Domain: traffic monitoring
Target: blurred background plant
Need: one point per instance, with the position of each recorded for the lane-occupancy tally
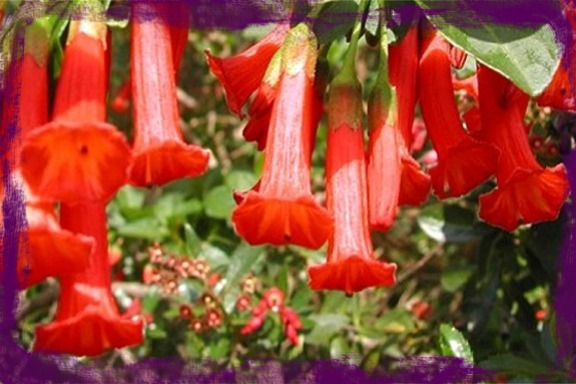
(463, 288)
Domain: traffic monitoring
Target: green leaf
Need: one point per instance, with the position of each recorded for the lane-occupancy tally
(453, 343)
(371, 360)
(515, 365)
(156, 333)
(397, 320)
(213, 255)
(338, 347)
(243, 258)
(148, 228)
(240, 180)
(449, 223)
(193, 242)
(130, 197)
(335, 20)
(528, 56)
(454, 277)
(327, 325)
(219, 202)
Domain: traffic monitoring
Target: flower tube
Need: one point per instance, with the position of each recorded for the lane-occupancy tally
(160, 154)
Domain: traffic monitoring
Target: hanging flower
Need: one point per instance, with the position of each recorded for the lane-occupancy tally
(463, 162)
(560, 92)
(87, 321)
(240, 75)
(78, 157)
(351, 264)
(283, 210)
(46, 249)
(526, 192)
(403, 61)
(160, 154)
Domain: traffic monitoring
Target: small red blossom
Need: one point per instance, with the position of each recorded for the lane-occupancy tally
(253, 324)
(540, 315)
(243, 303)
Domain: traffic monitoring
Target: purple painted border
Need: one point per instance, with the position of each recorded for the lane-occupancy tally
(20, 366)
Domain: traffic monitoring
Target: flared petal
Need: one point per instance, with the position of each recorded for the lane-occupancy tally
(352, 274)
(89, 333)
(73, 162)
(414, 183)
(528, 197)
(240, 75)
(302, 221)
(166, 162)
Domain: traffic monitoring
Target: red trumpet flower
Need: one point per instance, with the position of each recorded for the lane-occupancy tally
(78, 156)
(50, 251)
(526, 192)
(160, 154)
(414, 184)
(241, 74)
(463, 162)
(351, 265)
(87, 320)
(283, 209)
(561, 93)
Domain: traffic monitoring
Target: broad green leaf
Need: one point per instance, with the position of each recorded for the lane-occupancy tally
(240, 180)
(338, 347)
(192, 242)
(371, 360)
(453, 343)
(449, 223)
(335, 20)
(327, 325)
(454, 277)
(156, 333)
(243, 258)
(509, 363)
(528, 56)
(213, 255)
(397, 320)
(148, 228)
(219, 202)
